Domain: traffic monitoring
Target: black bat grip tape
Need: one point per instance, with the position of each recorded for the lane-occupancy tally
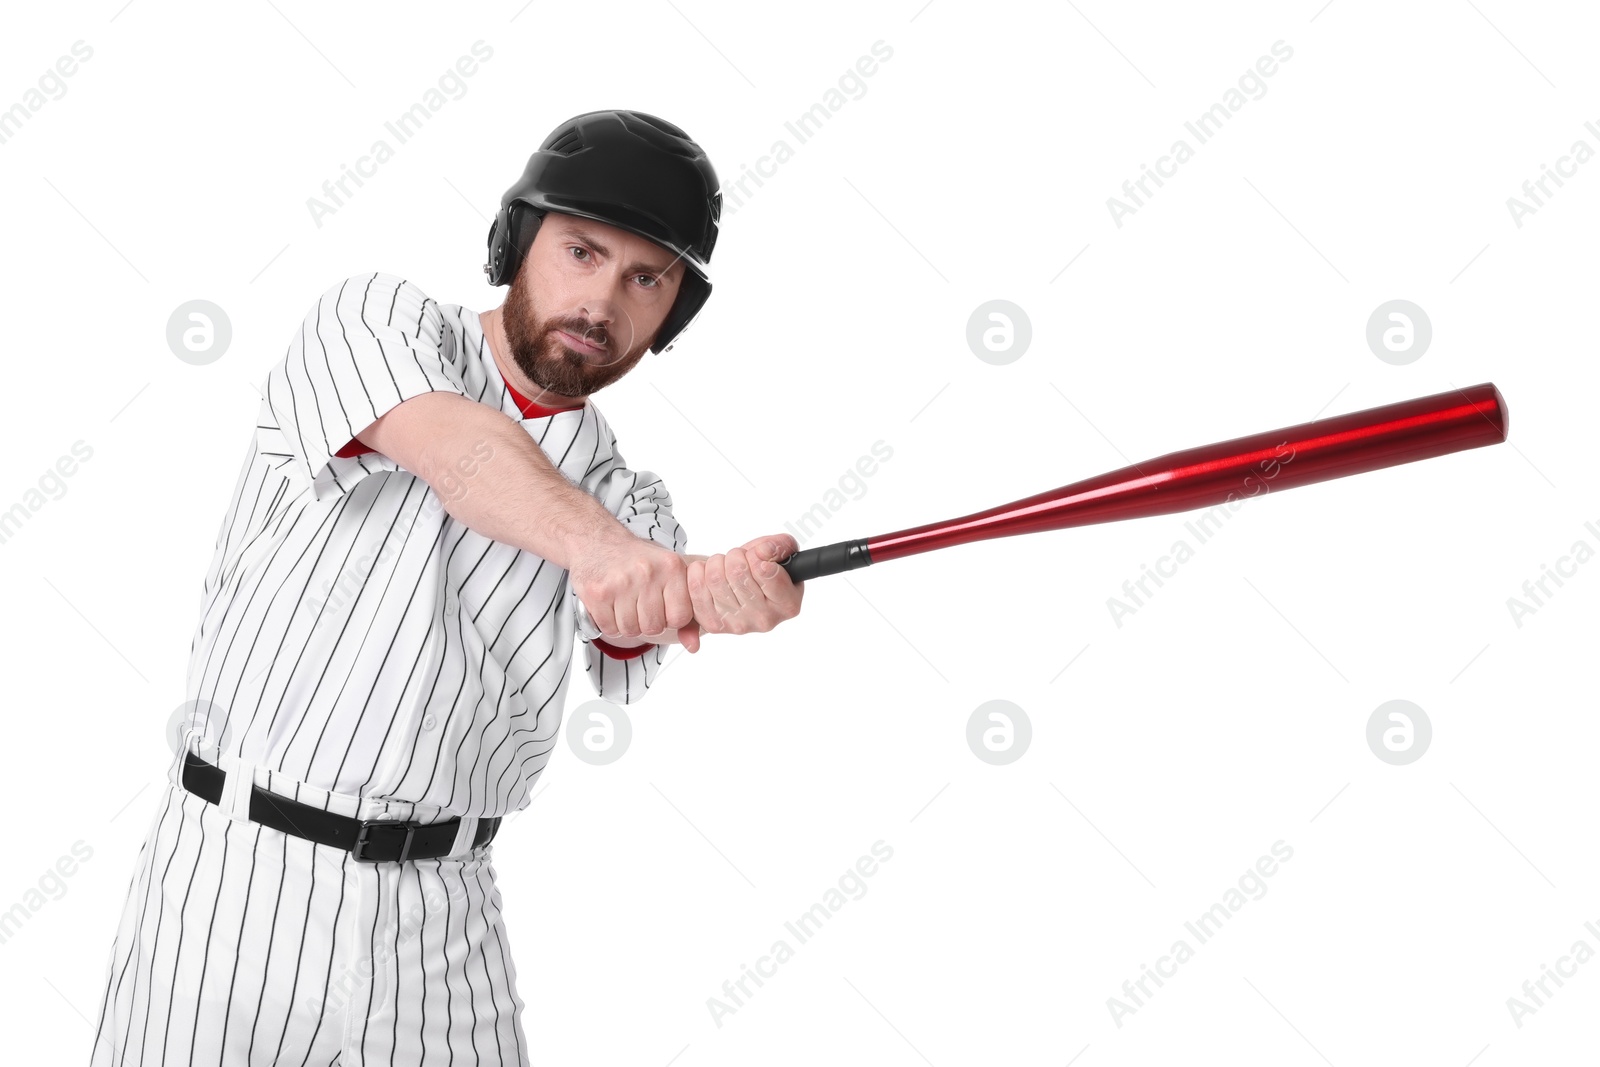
(828, 559)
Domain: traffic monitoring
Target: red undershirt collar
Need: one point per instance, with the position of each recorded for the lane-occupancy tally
(529, 409)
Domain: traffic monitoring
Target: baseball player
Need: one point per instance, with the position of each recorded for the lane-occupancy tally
(431, 511)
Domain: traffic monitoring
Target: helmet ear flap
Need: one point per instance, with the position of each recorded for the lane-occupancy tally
(510, 236)
(693, 292)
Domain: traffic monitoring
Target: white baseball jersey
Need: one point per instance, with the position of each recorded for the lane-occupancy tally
(365, 652)
(356, 636)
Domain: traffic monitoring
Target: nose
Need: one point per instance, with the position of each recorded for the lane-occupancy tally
(602, 307)
(597, 311)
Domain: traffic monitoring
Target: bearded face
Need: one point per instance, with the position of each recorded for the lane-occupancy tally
(586, 304)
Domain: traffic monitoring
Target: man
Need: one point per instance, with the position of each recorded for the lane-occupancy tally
(431, 512)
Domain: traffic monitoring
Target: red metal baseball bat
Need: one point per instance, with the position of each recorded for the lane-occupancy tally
(1205, 476)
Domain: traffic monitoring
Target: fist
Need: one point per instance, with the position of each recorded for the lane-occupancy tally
(632, 586)
(744, 591)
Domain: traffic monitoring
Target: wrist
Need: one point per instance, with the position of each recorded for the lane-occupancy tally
(628, 647)
(664, 637)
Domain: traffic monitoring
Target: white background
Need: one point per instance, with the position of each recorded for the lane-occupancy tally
(1226, 714)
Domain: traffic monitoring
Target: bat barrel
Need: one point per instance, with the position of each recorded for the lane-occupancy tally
(1232, 470)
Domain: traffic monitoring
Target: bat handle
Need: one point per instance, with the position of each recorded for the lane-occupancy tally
(828, 559)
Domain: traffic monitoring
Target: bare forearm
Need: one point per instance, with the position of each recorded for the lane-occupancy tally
(494, 478)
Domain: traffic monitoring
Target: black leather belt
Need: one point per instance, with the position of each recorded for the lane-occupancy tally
(376, 840)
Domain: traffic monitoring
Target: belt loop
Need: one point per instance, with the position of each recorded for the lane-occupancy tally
(236, 789)
(464, 835)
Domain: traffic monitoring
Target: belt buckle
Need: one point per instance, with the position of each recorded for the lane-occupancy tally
(405, 848)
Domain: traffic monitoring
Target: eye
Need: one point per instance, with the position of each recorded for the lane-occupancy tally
(575, 249)
(650, 281)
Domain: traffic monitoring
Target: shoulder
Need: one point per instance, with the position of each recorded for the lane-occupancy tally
(377, 297)
(375, 284)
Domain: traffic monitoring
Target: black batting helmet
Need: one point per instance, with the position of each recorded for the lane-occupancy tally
(630, 170)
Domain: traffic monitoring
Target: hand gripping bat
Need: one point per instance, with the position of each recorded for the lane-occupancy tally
(1204, 477)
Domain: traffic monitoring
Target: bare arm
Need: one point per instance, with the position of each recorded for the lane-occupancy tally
(489, 474)
(495, 479)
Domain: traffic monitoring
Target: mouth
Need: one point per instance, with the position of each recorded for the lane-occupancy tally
(578, 344)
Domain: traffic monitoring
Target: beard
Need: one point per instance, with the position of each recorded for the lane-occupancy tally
(540, 352)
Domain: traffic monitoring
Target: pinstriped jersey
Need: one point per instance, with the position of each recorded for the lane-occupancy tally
(352, 634)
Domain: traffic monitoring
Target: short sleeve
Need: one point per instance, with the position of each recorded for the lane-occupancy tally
(368, 344)
(641, 501)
